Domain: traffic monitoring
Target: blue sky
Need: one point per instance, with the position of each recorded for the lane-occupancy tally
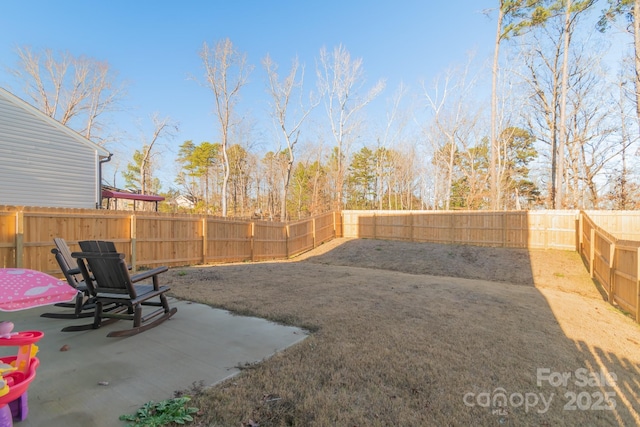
(153, 46)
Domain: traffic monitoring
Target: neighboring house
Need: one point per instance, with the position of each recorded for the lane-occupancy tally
(186, 202)
(44, 163)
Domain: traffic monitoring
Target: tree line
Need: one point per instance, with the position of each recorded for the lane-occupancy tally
(560, 129)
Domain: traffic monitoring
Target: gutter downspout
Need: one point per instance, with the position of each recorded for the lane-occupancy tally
(100, 162)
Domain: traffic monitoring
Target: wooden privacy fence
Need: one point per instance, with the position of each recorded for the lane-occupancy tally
(611, 256)
(150, 239)
(513, 229)
(609, 242)
(624, 225)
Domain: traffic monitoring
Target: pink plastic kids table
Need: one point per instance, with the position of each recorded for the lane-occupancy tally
(21, 289)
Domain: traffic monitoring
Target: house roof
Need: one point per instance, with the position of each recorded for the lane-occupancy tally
(102, 152)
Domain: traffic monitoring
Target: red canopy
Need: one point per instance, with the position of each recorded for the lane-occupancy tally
(131, 196)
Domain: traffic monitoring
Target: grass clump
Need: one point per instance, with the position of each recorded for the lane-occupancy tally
(166, 412)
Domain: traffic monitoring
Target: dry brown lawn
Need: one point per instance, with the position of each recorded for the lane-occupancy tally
(415, 334)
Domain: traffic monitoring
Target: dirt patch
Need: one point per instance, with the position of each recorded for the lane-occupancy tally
(542, 268)
(421, 334)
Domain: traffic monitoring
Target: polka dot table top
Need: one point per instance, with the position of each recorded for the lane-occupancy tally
(21, 288)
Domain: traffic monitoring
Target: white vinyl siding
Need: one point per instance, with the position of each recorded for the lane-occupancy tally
(42, 163)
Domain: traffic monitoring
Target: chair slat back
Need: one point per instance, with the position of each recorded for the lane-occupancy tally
(65, 252)
(107, 266)
(66, 262)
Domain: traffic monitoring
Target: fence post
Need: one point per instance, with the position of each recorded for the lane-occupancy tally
(252, 230)
(504, 229)
(411, 229)
(592, 250)
(205, 238)
(313, 231)
(19, 239)
(638, 286)
(525, 234)
(451, 228)
(612, 273)
(375, 226)
(335, 223)
(579, 236)
(546, 230)
(133, 235)
(287, 231)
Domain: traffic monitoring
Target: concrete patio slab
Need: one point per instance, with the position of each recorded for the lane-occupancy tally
(99, 378)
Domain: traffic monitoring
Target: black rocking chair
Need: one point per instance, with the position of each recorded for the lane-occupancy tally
(107, 277)
(84, 304)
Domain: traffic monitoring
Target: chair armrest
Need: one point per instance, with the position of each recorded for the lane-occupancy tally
(73, 271)
(148, 273)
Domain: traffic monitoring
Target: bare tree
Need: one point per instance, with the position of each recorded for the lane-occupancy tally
(401, 177)
(393, 132)
(502, 10)
(623, 191)
(273, 164)
(542, 55)
(454, 121)
(226, 72)
(243, 162)
(76, 91)
(289, 122)
(162, 128)
(630, 9)
(599, 130)
(571, 12)
(514, 17)
(340, 78)
(570, 107)
(318, 186)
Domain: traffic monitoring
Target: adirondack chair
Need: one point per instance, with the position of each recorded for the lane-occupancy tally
(107, 276)
(84, 304)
